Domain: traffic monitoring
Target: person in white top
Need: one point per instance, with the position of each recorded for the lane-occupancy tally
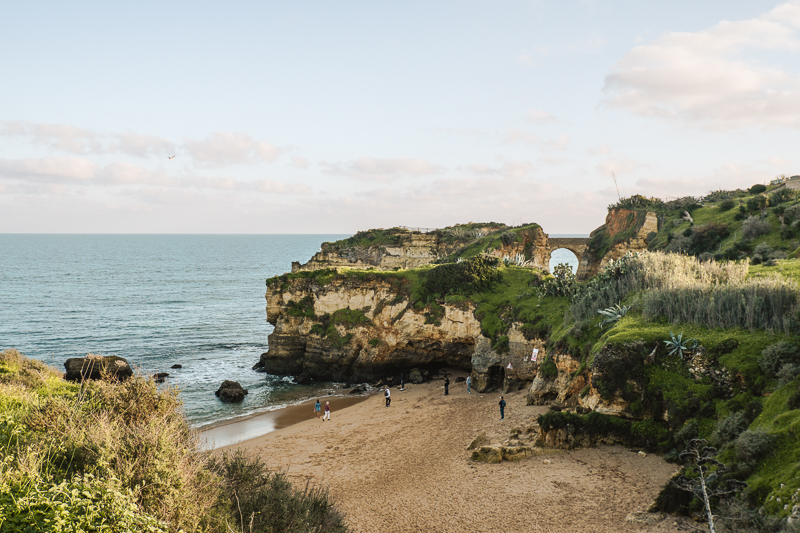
(388, 396)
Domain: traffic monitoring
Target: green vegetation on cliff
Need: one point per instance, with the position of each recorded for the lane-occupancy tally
(118, 456)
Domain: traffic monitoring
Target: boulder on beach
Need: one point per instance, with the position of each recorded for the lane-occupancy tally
(231, 392)
(488, 454)
(480, 440)
(97, 367)
(415, 376)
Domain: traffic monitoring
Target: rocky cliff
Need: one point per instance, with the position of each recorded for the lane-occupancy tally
(360, 328)
(624, 231)
(400, 248)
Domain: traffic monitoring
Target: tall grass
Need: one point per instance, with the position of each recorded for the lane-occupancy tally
(682, 288)
(114, 456)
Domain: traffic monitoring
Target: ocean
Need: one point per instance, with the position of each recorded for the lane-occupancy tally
(157, 300)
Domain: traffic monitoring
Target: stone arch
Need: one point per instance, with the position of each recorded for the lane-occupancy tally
(576, 245)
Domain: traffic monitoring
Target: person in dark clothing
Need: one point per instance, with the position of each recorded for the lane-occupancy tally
(446, 386)
(502, 408)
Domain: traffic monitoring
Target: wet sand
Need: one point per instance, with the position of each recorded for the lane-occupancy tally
(236, 432)
(406, 469)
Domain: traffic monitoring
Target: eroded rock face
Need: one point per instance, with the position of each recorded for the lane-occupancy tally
(231, 392)
(392, 337)
(412, 250)
(96, 367)
(615, 224)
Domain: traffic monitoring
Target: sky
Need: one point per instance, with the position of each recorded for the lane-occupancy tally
(339, 116)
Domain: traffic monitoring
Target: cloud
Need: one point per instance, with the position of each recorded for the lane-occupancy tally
(710, 78)
(300, 162)
(276, 187)
(373, 169)
(224, 148)
(537, 116)
(143, 145)
(49, 169)
(81, 141)
(510, 169)
(76, 171)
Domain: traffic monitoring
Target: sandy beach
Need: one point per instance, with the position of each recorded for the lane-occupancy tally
(405, 468)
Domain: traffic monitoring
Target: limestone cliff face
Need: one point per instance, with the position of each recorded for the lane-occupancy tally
(409, 251)
(618, 222)
(386, 336)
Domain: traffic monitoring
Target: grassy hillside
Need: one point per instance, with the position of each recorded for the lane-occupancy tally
(118, 456)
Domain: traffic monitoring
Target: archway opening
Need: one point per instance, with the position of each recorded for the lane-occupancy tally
(562, 255)
(495, 378)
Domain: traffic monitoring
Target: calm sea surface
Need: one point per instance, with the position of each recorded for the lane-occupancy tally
(157, 300)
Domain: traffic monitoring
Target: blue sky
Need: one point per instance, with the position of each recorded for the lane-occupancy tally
(330, 117)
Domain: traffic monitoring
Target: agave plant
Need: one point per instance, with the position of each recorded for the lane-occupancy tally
(612, 314)
(677, 344)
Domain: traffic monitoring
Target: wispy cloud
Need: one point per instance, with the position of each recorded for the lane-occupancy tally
(382, 170)
(707, 77)
(537, 116)
(81, 141)
(224, 148)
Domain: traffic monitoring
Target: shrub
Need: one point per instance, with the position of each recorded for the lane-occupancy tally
(753, 227)
(707, 237)
(680, 244)
(729, 428)
(303, 308)
(562, 283)
(727, 205)
(794, 399)
(476, 274)
(775, 356)
(265, 502)
(548, 369)
(757, 189)
(753, 445)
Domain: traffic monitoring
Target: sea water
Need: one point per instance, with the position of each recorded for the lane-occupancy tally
(156, 300)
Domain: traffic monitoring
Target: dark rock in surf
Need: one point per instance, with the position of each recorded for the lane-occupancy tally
(93, 366)
(176, 366)
(160, 377)
(231, 392)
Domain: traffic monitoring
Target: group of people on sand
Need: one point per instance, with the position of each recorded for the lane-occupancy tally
(388, 396)
(318, 408)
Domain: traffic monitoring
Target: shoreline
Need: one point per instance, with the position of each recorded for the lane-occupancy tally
(226, 433)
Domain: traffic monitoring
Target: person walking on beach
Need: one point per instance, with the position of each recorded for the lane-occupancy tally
(388, 396)
(446, 386)
(317, 408)
(502, 408)
(469, 383)
(402, 383)
(327, 411)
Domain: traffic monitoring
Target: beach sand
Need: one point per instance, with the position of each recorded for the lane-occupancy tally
(405, 468)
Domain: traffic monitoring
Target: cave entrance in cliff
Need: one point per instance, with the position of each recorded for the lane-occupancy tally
(495, 377)
(562, 255)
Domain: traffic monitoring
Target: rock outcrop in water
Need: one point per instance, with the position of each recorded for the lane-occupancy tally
(97, 367)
